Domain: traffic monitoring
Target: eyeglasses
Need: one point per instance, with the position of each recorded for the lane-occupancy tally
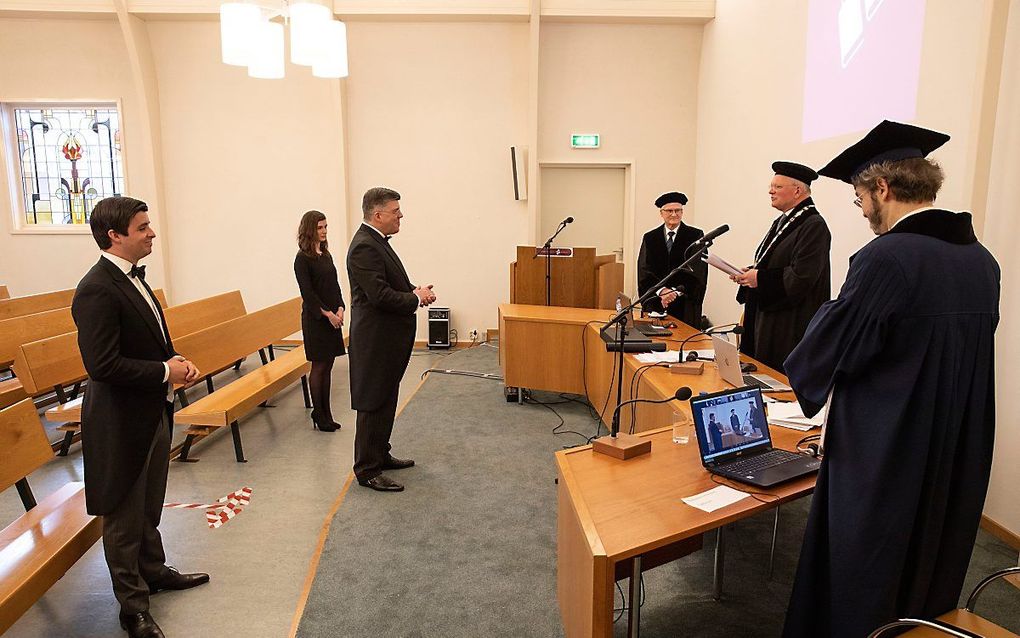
(858, 201)
(671, 211)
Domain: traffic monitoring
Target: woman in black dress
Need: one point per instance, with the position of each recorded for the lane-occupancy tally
(322, 313)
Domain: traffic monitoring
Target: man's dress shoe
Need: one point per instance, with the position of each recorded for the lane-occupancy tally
(176, 580)
(382, 483)
(397, 464)
(140, 625)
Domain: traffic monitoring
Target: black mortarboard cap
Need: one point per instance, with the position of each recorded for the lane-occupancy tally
(795, 171)
(889, 141)
(671, 198)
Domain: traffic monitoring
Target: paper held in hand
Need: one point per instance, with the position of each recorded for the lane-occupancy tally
(722, 264)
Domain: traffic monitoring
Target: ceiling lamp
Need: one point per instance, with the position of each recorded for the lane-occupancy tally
(250, 37)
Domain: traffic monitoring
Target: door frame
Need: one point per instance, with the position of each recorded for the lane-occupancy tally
(628, 257)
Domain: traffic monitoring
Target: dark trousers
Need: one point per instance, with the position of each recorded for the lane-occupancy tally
(372, 439)
(133, 546)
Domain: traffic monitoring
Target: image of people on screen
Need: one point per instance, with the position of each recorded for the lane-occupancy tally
(742, 422)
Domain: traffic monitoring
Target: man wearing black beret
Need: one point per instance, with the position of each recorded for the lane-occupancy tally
(789, 278)
(664, 248)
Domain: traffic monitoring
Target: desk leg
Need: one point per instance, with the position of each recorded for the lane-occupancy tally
(720, 555)
(634, 617)
(772, 550)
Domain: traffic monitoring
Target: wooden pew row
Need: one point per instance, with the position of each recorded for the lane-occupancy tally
(38, 548)
(28, 328)
(48, 365)
(32, 304)
(220, 345)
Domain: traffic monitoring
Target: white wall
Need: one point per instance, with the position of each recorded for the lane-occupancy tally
(90, 64)
(433, 109)
(636, 85)
(1001, 229)
(243, 160)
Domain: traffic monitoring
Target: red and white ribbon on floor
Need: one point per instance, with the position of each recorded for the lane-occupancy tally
(222, 510)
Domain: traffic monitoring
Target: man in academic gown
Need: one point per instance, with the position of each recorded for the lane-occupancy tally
(664, 248)
(383, 324)
(904, 357)
(789, 278)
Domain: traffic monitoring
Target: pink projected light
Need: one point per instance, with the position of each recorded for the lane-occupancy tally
(863, 60)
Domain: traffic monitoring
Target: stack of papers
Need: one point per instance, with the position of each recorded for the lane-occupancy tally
(789, 415)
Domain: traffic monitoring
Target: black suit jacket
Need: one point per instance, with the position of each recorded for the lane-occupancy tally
(123, 352)
(383, 321)
(654, 263)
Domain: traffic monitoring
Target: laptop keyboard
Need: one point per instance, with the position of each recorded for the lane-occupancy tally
(759, 462)
(750, 380)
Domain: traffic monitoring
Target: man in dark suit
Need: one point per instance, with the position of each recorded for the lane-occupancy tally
(664, 248)
(383, 306)
(127, 410)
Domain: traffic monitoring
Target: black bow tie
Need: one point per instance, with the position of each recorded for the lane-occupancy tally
(137, 271)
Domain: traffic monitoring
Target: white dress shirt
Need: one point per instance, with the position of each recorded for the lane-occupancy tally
(125, 267)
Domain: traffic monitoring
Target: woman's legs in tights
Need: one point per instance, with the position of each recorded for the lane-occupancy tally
(318, 382)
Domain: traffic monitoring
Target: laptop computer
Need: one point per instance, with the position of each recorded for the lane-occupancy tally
(734, 440)
(644, 327)
(728, 360)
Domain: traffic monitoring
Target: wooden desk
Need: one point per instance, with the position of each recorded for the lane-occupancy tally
(611, 512)
(559, 349)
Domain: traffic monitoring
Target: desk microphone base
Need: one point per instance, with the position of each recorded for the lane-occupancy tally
(623, 447)
(687, 367)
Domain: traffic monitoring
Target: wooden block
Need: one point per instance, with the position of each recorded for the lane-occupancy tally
(624, 446)
(687, 367)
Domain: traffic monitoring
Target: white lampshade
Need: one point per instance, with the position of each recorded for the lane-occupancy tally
(267, 51)
(332, 59)
(307, 24)
(237, 22)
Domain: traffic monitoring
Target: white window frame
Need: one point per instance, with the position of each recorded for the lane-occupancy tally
(11, 165)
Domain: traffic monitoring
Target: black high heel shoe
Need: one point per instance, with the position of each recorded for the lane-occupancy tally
(323, 427)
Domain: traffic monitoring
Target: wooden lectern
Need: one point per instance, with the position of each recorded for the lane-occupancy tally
(580, 278)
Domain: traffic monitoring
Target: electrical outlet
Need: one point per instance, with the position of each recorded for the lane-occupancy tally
(473, 335)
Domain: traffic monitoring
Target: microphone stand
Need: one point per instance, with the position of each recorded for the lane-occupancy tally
(547, 247)
(628, 446)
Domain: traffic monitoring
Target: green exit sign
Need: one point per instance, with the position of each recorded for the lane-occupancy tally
(585, 140)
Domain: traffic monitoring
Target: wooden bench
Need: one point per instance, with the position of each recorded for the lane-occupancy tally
(32, 304)
(53, 363)
(220, 345)
(24, 329)
(38, 548)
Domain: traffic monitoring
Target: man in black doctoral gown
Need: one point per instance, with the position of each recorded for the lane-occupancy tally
(664, 248)
(789, 279)
(904, 358)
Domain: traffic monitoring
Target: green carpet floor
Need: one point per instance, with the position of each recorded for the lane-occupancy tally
(469, 548)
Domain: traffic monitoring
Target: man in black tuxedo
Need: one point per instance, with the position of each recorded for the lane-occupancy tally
(127, 411)
(383, 306)
(664, 248)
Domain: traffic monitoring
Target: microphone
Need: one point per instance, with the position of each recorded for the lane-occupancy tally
(712, 234)
(726, 328)
(568, 220)
(682, 394)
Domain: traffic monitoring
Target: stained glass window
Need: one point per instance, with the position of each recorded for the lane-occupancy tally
(70, 158)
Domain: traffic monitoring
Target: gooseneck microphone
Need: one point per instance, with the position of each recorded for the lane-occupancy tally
(712, 234)
(682, 394)
(726, 328)
(568, 220)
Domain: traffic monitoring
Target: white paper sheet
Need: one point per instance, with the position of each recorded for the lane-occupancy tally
(669, 356)
(715, 498)
(722, 264)
(789, 415)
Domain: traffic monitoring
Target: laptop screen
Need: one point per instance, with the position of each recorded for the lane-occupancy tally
(729, 421)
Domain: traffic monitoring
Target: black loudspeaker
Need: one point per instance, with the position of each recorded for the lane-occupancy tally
(439, 328)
